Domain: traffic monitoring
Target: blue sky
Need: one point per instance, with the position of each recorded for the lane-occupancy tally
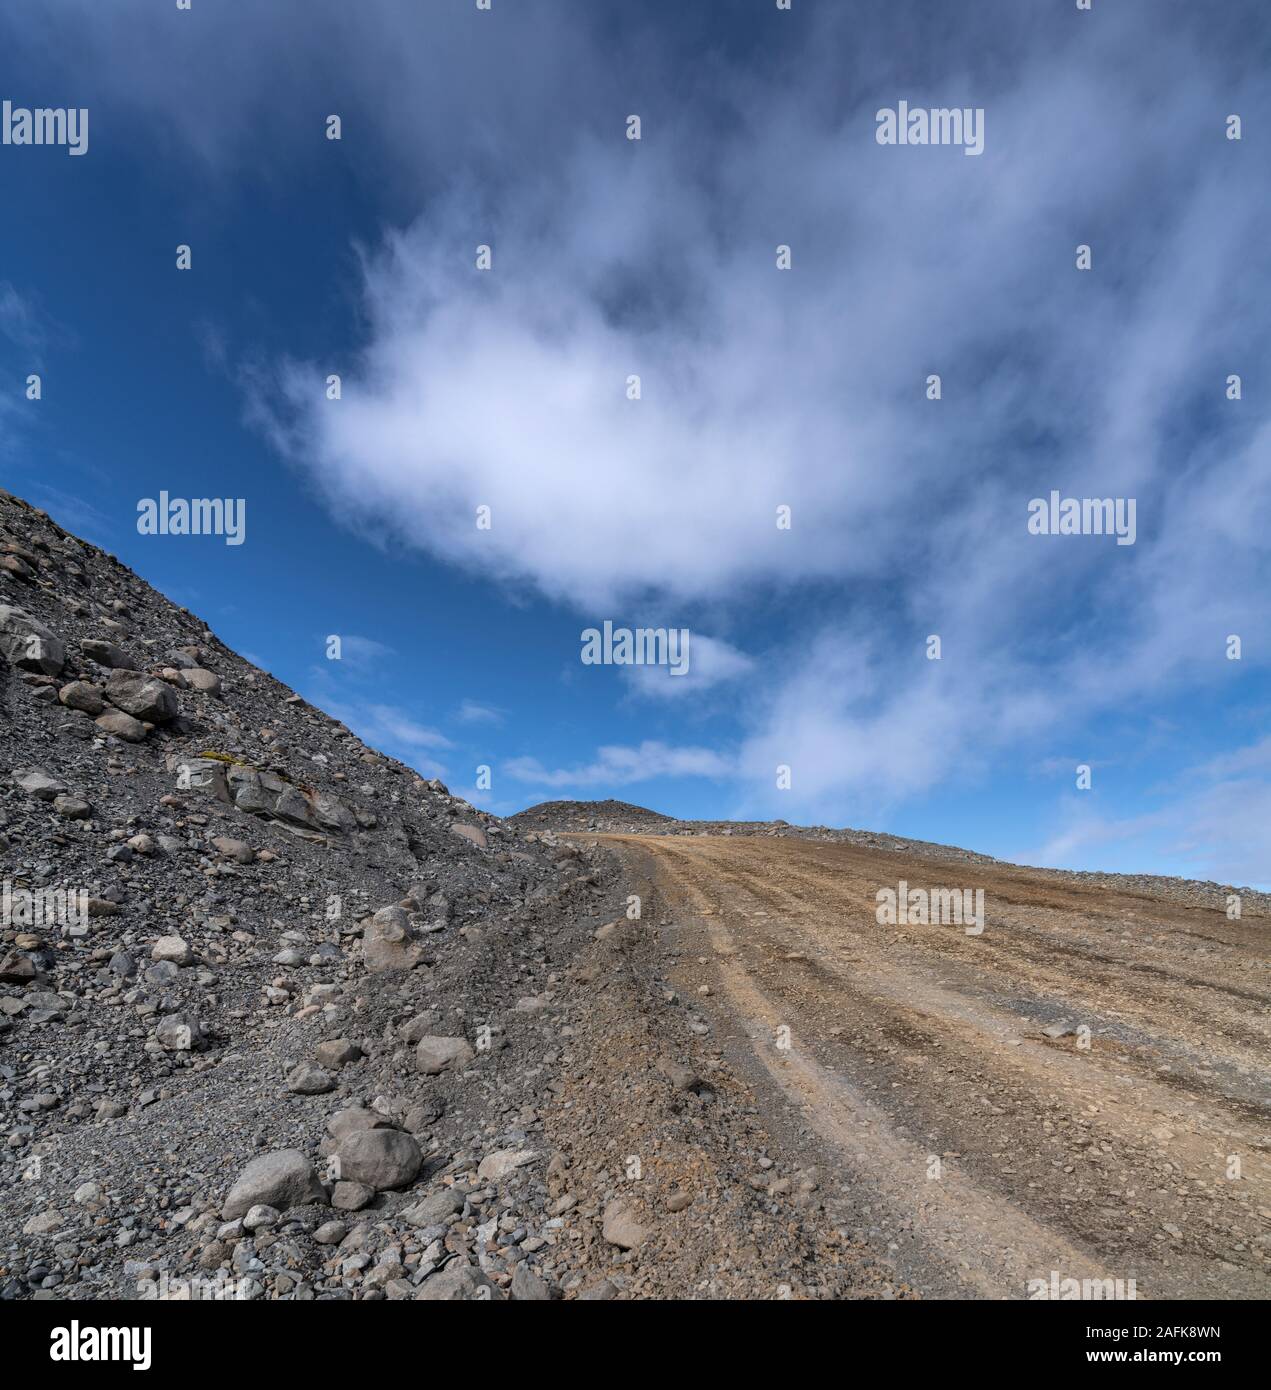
(760, 388)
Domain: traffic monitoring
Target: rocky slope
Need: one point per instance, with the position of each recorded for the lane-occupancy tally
(592, 816)
(230, 929)
(279, 1019)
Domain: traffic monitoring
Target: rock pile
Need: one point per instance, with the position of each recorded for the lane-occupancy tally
(289, 996)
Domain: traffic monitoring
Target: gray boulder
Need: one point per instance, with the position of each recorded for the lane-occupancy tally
(621, 1228)
(237, 850)
(457, 1283)
(201, 775)
(308, 1080)
(281, 1179)
(82, 695)
(499, 1164)
(26, 643)
(337, 1052)
(435, 1209)
(144, 697)
(122, 725)
(206, 681)
(332, 814)
(527, 1287)
(352, 1196)
(292, 805)
(39, 784)
(381, 1158)
(353, 1120)
(179, 1033)
(435, 1055)
(172, 948)
(386, 943)
(107, 654)
(253, 791)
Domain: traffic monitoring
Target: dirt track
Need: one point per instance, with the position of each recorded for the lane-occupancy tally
(1107, 1155)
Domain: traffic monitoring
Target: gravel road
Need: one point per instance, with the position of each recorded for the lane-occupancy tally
(1079, 1090)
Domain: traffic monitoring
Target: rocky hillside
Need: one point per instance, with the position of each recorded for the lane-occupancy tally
(248, 964)
(606, 817)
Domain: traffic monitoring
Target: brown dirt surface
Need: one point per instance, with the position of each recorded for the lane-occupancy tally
(956, 1143)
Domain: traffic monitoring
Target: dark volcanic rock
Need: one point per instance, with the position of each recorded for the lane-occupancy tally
(216, 863)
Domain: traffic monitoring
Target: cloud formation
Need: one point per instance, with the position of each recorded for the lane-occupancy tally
(762, 388)
(619, 766)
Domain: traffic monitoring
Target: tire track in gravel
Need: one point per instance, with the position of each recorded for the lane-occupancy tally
(919, 1042)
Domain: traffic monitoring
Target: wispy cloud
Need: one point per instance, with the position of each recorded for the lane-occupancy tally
(471, 712)
(22, 324)
(400, 728)
(363, 651)
(1215, 821)
(393, 730)
(761, 389)
(620, 766)
(712, 662)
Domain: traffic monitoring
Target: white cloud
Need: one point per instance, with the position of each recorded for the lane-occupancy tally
(1226, 833)
(711, 662)
(1214, 820)
(619, 766)
(394, 731)
(1085, 830)
(363, 651)
(762, 388)
(20, 323)
(401, 728)
(473, 712)
(807, 389)
(1255, 757)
